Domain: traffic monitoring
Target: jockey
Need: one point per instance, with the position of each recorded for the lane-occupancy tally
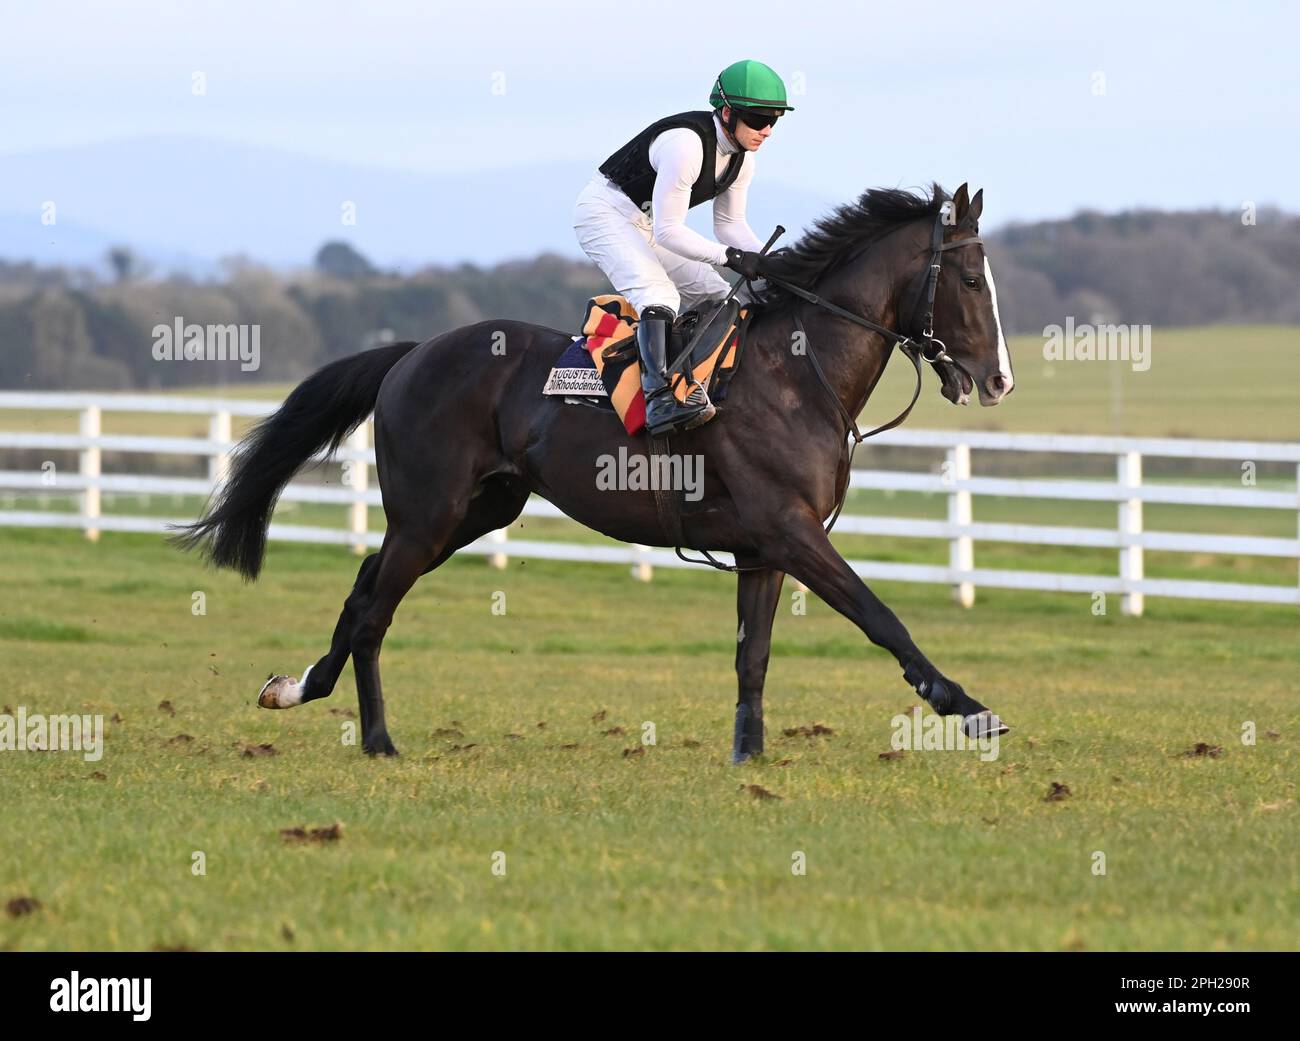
(631, 220)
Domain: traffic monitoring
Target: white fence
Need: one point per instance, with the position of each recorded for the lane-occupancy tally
(955, 481)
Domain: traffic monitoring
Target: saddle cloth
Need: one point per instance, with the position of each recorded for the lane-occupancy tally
(601, 367)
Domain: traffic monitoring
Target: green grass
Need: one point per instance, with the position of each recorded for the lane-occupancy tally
(664, 850)
(1234, 382)
(935, 850)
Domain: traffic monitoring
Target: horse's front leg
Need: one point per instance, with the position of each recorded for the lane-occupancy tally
(757, 594)
(805, 551)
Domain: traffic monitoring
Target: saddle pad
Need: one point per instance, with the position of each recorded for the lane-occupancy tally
(603, 362)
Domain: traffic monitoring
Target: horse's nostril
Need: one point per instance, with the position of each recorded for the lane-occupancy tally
(998, 385)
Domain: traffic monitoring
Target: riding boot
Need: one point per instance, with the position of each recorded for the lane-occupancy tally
(664, 414)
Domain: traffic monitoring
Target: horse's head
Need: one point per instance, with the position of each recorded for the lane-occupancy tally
(966, 318)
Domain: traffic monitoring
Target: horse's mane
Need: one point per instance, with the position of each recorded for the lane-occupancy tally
(833, 237)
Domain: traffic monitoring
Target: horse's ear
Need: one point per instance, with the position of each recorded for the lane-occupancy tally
(972, 217)
(960, 203)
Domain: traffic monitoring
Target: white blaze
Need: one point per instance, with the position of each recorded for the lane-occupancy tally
(1004, 356)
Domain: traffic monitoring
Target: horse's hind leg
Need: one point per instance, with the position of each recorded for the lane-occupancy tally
(319, 679)
(757, 594)
(402, 560)
(496, 505)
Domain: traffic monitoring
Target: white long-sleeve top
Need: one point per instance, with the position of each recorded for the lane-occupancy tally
(677, 156)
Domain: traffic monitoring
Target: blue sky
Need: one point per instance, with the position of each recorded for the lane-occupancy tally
(1201, 102)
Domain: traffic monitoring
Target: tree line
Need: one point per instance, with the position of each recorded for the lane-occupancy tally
(73, 328)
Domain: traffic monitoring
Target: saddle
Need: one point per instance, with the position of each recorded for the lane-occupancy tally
(600, 368)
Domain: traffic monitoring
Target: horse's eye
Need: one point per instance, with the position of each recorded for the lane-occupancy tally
(971, 283)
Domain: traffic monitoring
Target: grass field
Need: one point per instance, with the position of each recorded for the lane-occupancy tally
(668, 848)
(612, 844)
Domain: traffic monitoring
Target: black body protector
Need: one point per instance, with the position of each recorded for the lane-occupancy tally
(630, 169)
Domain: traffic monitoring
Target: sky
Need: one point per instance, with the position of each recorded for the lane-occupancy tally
(1050, 108)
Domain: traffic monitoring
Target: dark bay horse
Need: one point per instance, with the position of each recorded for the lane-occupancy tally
(463, 435)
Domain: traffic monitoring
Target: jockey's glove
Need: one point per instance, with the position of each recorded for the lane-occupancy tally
(744, 262)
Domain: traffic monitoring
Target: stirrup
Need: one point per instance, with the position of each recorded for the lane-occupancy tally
(681, 416)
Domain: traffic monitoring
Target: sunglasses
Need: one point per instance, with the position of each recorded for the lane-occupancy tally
(757, 119)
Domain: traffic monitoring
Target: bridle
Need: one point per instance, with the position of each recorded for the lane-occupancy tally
(938, 248)
(926, 346)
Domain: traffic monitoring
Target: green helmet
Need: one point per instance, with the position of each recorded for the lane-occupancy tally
(749, 84)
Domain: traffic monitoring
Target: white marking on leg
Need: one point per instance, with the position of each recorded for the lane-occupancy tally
(290, 695)
(1004, 355)
(280, 692)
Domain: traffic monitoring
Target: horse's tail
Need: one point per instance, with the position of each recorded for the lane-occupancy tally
(322, 410)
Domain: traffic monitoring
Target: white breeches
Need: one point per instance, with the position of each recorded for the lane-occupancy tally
(620, 240)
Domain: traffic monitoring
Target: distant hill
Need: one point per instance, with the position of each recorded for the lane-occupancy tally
(184, 203)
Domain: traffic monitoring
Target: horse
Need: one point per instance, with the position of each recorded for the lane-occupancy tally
(463, 436)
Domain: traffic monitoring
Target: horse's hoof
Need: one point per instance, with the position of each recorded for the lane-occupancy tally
(747, 738)
(280, 692)
(283, 691)
(380, 746)
(984, 724)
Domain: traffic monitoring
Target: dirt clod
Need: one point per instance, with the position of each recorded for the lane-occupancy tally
(816, 730)
(319, 835)
(1057, 792)
(22, 905)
